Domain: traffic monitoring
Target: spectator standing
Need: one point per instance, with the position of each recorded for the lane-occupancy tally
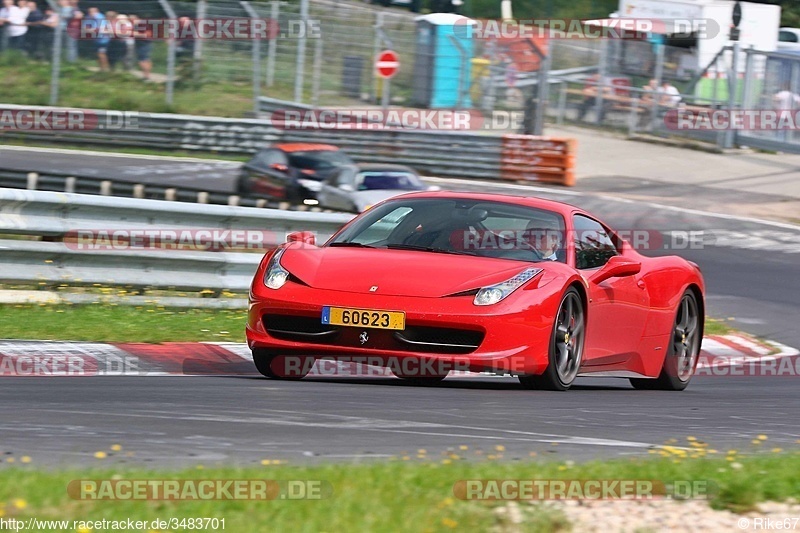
(117, 47)
(48, 31)
(15, 22)
(97, 20)
(3, 26)
(670, 95)
(34, 23)
(143, 39)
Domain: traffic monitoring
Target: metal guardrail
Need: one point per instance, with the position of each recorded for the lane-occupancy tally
(54, 216)
(71, 183)
(446, 154)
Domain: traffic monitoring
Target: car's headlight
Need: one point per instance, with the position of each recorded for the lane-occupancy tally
(495, 293)
(275, 276)
(311, 185)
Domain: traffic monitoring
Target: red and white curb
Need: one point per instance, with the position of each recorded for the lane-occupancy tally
(722, 355)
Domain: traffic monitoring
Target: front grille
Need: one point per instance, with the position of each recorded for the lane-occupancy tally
(413, 339)
(297, 327)
(447, 340)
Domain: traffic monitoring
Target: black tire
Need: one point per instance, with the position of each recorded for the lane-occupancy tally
(243, 185)
(280, 366)
(565, 354)
(684, 349)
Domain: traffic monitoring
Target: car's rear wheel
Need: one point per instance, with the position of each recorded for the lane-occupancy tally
(684, 349)
(289, 367)
(243, 186)
(566, 346)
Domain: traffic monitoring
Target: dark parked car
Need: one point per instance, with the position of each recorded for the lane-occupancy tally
(291, 171)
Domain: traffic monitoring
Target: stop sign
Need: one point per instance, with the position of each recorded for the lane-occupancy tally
(387, 64)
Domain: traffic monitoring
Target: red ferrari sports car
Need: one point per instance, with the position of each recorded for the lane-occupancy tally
(430, 282)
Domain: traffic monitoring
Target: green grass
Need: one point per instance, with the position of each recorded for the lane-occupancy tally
(111, 323)
(397, 495)
(27, 82)
(117, 323)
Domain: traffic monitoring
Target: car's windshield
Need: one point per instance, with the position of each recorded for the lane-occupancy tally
(455, 225)
(386, 179)
(319, 159)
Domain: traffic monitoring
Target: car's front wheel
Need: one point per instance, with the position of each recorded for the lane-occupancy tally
(291, 367)
(566, 346)
(684, 349)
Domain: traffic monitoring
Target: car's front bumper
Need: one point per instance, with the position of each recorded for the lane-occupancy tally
(512, 336)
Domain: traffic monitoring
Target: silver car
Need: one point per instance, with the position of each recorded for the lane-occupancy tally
(356, 188)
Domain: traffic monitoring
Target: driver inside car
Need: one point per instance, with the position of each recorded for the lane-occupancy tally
(546, 238)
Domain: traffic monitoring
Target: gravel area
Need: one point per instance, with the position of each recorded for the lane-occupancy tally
(655, 516)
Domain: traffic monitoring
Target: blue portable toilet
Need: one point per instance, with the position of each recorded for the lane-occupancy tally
(443, 61)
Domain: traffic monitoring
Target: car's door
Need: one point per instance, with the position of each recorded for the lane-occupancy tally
(618, 306)
(268, 173)
(339, 190)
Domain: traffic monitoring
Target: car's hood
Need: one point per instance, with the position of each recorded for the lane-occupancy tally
(395, 272)
(365, 198)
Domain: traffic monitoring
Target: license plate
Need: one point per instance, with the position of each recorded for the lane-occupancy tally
(363, 318)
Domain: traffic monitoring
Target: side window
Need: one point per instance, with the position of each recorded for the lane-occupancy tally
(265, 158)
(593, 245)
(787, 37)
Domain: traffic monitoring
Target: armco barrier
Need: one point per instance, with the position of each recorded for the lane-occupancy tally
(435, 153)
(545, 159)
(51, 216)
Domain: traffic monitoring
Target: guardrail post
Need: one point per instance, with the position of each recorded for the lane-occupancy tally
(202, 197)
(33, 178)
(69, 184)
(170, 195)
(170, 53)
(138, 191)
(562, 103)
(273, 43)
(301, 54)
(105, 188)
(233, 200)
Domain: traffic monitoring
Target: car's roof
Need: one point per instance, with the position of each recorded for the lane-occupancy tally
(305, 147)
(528, 201)
(375, 167)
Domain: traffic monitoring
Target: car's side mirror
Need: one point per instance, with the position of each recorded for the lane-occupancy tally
(346, 187)
(616, 267)
(306, 237)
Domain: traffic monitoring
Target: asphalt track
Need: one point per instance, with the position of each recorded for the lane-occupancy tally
(751, 271)
(184, 421)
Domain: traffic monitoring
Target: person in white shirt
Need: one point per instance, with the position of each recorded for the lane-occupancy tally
(670, 95)
(785, 100)
(13, 19)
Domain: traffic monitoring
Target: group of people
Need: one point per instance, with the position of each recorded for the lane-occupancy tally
(27, 27)
(665, 95)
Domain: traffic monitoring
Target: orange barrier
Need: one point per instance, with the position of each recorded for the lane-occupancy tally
(532, 158)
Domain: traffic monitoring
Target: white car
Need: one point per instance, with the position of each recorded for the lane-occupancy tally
(789, 40)
(356, 188)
